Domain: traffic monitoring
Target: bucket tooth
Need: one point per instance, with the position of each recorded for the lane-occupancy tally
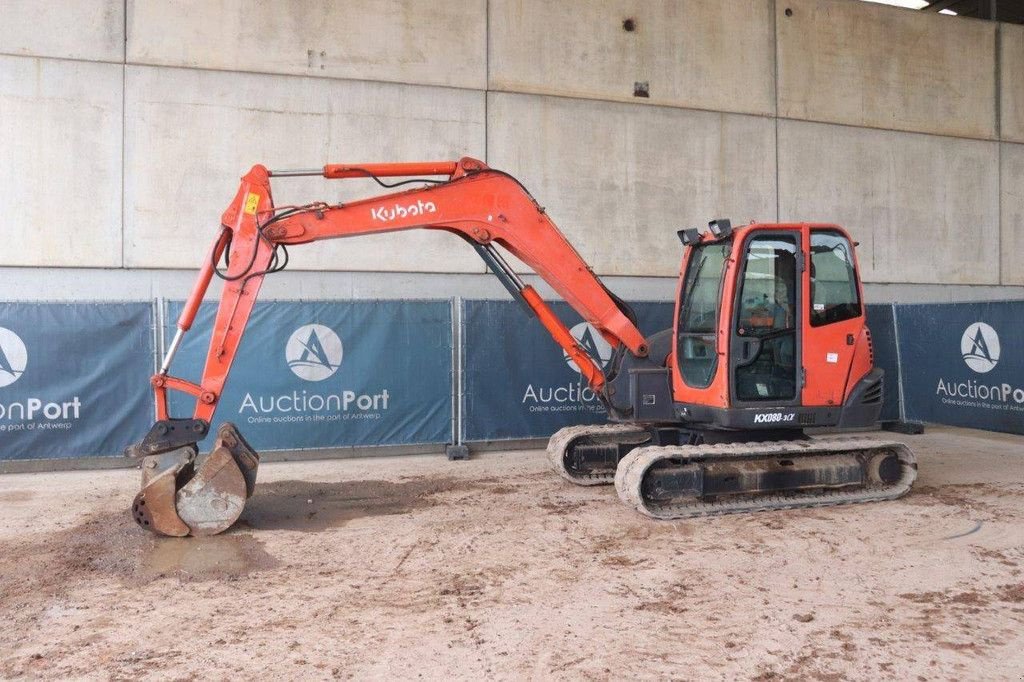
(246, 458)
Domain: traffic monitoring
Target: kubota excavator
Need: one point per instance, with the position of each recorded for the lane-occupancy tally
(708, 417)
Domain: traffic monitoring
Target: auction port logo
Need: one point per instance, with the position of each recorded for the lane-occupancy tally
(979, 347)
(13, 357)
(313, 352)
(593, 343)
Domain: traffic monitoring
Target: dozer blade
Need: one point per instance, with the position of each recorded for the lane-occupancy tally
(182, 498)
(677, 482)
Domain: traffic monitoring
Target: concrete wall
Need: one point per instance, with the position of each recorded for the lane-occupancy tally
(1012, 196)
(125, 125)
(869, 65)
(205, 128)
(60, 164)
(622, 207)
(926, 208)
(704, 55)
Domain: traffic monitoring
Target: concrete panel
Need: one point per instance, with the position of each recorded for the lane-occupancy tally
(620, 179)
(73, 29)
(1012, 212)
(925, 209)
(433, 43)
(60, 174)
(1011, 70)
(704, 54)
(191, 134)
(865, 64)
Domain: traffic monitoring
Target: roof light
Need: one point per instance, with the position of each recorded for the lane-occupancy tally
(689, 237)
(909, 4)
(720, 227)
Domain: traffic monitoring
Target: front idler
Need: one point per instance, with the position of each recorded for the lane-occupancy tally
(183, 494)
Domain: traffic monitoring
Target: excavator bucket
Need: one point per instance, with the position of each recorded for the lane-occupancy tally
(183, 494)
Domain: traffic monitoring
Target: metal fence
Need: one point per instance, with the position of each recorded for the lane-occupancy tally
(327, 374)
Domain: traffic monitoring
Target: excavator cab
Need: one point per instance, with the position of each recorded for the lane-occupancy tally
(770, 329)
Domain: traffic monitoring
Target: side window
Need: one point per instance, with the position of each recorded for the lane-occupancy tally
(834, 295)
(698, 314)
(768, 293)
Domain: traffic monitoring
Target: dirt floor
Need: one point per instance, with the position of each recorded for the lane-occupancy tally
(420, 567)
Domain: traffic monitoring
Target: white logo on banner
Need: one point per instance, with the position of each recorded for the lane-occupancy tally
(980, 347)
(593, 343)
(313, 352)
(13, 357)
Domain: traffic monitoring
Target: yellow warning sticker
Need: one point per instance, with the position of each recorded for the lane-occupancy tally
(251, 202)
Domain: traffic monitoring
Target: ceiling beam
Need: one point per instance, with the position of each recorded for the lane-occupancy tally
(939, 5)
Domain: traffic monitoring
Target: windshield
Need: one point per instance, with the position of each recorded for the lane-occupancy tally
(698, 313)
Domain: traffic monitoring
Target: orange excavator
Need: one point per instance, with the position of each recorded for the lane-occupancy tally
(768, 340)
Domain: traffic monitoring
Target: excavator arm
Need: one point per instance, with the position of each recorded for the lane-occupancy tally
(481, 205)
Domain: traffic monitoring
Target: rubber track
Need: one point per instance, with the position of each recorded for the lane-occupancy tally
(563, 438)
(630, 474)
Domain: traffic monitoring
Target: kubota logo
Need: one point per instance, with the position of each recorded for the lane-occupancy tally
(386, 215)
(13, 357)
(980, 347)
(592, 342)
(313, 352)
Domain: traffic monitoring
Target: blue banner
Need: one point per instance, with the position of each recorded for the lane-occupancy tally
(882, 324)
(320, 374)
(74, 378)
(517, 382)
(962, 364)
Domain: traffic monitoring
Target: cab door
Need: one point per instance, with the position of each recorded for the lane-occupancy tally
(766, 336)
(835, 316)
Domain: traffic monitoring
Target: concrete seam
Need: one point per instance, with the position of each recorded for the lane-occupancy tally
(998, 81)
(55, 58)
(999, 213)
(272, 74)
(519, 92)
(487, 81)
(124, 120)
(775, 89)
(999, 151)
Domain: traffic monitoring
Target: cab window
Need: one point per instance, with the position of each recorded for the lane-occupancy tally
(834, 295)
(766, 320)
(698, 314)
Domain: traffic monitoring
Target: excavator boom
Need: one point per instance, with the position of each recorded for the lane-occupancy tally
(483, 206)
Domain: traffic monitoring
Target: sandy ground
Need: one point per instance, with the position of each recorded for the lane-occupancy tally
(420, 567)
